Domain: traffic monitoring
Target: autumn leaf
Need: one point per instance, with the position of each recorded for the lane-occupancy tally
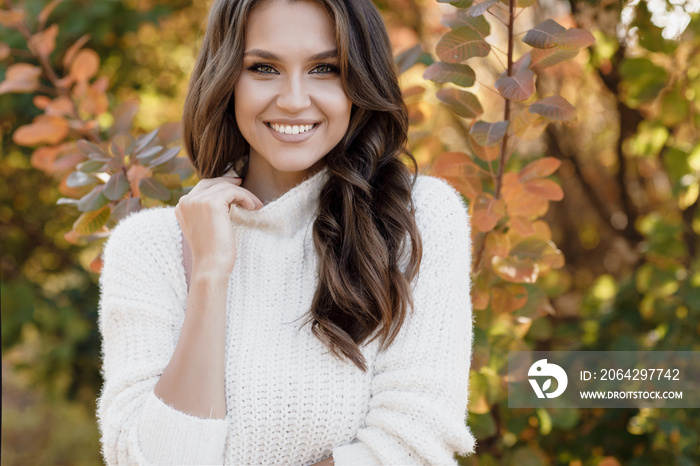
(44, 42)
(46, 129)
(487, 212)
(85, 65)
(508, 297)
(540, 168)
(21, 77)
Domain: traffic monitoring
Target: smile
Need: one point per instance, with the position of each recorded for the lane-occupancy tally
(292, 133)
(288, 129)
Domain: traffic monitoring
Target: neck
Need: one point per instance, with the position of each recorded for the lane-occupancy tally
(287, 214)
(268, 184)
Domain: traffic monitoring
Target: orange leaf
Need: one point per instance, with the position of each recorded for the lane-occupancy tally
(44, 42)
(514, 269)
(85, 65)
(45, 157)
(480, 299)
(73, 50)
(522, 225)
(21, 77)
(41, 101)
(458, 169)
(45, 129)
(60, 106)
(508, 297)
(72, 237)
(487, 153)
(412, 91)
(95, 102)
(539, 168)
(520, 201)
(487, 211)
(134, 174)
(11, 18)
(96, 264)
(528, 126)
(4, 50)
(497, 244)
(545, 188)
(542, 230)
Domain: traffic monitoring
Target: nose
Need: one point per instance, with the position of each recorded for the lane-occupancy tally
(293, 96)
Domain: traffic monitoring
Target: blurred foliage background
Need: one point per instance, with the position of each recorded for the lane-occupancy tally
(627, 225)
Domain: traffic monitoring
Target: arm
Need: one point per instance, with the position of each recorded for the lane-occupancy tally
(141, 319)
(420, 384)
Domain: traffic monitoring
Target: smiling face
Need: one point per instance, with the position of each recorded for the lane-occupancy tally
(289, 100)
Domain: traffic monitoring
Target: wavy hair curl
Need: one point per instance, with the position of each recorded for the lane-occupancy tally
(366, 213)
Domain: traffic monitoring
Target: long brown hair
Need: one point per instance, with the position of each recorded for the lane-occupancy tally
(366, 213)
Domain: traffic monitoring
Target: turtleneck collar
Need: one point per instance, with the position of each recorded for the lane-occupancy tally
(288, 213)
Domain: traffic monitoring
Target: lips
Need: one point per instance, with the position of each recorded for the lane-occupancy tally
(300, 137)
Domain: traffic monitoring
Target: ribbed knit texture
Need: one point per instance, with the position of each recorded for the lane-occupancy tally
(289, 400)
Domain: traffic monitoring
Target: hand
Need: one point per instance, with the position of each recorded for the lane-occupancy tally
(203, 215)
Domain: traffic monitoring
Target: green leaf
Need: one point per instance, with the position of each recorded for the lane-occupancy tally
(575, 38)
(147, 154)
(642, 80)
(116, 187)
(144, 140)
(544, 35)
(459, 74)
(88, 148)
(90, 166)
(555, 108)
(154, 189)
(461, 44)
(122, 145)
(67, 200)
(518, 87)
(544, 58)
(482, 425)
(408, 58)
(488, 134)
(79, 179)
(464, 103)
(93, 200)
(165, 157)
(480, 8)
(90, 222)
(674, 108)
(125, 207)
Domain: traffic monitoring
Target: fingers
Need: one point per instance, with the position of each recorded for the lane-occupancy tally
(205, 184)
(225, 193)
(232, 195)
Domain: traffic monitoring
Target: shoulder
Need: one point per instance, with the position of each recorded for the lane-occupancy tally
(439, 206)
(142, 231)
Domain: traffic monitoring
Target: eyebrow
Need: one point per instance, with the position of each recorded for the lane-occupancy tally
(333, 53)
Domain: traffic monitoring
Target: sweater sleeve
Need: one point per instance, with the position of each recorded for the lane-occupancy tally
(139, 320)
(417, 410)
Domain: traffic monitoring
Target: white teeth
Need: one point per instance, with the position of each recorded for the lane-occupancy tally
(286, 129)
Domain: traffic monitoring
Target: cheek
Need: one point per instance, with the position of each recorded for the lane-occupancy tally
(337, 105)
(249, 98)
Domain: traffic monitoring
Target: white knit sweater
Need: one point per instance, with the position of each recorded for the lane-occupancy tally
(288, 399)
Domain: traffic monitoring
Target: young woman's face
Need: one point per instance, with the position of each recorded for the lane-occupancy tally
(289, 100)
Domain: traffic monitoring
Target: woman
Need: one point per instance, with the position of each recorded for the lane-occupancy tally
(205, 361)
